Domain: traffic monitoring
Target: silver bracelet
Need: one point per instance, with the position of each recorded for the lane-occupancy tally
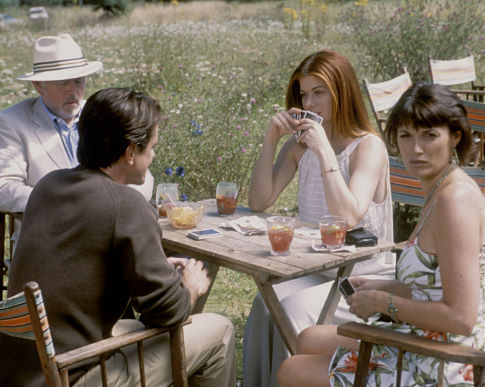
(392, 308)
(334, 168)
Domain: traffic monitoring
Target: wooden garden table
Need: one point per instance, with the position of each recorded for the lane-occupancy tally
(250, 255)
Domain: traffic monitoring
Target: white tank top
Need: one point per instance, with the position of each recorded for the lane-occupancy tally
(312, 204)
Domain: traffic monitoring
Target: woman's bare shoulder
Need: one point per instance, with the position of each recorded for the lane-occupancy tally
(461, 195)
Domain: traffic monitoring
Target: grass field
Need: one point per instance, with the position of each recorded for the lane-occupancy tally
(222, 64)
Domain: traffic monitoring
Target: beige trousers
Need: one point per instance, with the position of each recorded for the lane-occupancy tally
(209, 351)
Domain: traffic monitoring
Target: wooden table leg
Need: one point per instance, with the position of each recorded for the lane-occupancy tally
(277, 313)
(333, 297)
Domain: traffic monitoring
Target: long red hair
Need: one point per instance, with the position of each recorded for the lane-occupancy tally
(349, 115)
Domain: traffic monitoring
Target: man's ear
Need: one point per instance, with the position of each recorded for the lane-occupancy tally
(129, 155)
(37, 86)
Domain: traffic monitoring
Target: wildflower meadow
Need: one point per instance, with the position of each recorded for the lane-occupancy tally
(220, 71)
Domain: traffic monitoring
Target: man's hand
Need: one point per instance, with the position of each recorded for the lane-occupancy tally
(194, 276)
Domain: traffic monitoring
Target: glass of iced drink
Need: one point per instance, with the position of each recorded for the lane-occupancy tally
(280, 234)
(333, 230)
(166, 193)
(226, 198)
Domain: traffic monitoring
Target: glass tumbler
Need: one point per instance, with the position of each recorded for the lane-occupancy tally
(333, 230)
(226, 198)
(280, 234)
(166, 193)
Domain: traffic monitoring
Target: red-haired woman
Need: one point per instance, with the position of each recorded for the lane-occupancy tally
(342, 170)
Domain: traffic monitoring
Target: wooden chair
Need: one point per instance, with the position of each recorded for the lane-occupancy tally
(6, 249)
(24, 316)
(384, 95)
(457, 72)
(407, 189)
(476, 118)
(370, 335)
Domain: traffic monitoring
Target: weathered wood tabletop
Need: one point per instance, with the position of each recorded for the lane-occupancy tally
(251, 255)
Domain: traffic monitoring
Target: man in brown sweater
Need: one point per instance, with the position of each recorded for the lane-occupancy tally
(93, 245)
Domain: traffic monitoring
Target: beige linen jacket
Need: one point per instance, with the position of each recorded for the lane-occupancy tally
(31, 147)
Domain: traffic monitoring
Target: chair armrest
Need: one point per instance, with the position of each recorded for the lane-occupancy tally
(410, 343)
(398, 247)
(111, 344)
(468, 91)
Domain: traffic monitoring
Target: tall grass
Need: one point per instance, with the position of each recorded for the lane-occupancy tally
(219, 71)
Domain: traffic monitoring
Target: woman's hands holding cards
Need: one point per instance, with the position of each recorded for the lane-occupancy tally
(309, 130)
(283, 123)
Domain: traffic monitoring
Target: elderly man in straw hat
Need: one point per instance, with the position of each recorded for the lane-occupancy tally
(39, 135)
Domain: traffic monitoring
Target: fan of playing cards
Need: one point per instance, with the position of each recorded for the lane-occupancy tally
(307, 114)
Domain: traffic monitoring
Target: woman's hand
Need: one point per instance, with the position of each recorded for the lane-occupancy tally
(283, 123)
(365, 303)
(312, 134)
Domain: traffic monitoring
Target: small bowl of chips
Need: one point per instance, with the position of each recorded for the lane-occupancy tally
(185, 214)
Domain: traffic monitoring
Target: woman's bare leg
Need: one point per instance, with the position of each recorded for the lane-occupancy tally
(323, 340)
(315, 347)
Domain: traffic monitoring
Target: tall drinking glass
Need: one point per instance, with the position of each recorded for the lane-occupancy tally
(280, 234)
(166, 193)
(333, 230)
(226, 198)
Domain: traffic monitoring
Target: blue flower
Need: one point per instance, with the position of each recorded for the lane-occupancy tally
(180, 171)
(197, 132)
(168, 171)
(184, 197)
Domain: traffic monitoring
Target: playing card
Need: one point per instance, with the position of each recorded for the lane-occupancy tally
(310, 115)
(297, 116)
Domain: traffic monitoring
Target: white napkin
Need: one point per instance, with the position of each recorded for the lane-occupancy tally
(317, 246)
(247, 225)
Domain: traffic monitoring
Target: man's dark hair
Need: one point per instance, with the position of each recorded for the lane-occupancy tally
(112, 119)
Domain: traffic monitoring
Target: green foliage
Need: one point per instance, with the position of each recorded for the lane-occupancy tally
(405, 219)
(308, 15)
(391, 35)
(113, 7)
(216, 103)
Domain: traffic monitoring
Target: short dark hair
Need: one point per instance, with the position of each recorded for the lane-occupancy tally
(112, 119)
(427, 105)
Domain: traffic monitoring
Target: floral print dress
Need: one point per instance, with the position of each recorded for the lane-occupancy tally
(421, 272)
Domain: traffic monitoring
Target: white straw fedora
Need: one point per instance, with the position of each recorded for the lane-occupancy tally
(57, 58)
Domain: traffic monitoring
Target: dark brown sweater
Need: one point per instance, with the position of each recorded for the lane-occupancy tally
(92, 245)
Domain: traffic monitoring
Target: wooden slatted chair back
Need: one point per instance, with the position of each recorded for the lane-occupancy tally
(24, 316)
(407, 189)
(476, 117)
(453, 72)
(456, 72)
(384, 95)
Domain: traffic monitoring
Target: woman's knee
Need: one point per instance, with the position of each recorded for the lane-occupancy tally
(286, 372)
(304, 341)
(318, 339)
